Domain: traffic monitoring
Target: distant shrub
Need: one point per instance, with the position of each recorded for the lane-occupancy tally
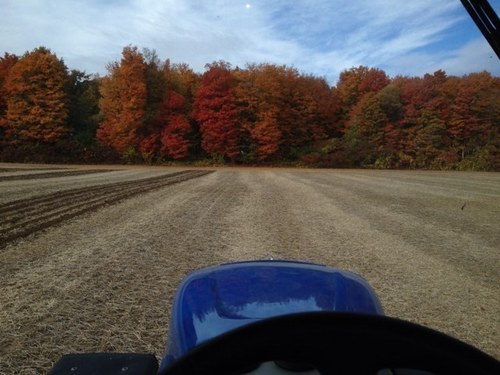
(481, 160)
(385, 162)
(297, 153)
(131, 156)
(311, 160)
(64, 151)
(213, 161)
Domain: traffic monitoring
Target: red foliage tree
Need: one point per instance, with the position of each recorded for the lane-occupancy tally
(167, 132)
(175, 138)
(423, 118)
(175, 134)
(149, 147)
(323, 122)
(474, 113)
(216, 111)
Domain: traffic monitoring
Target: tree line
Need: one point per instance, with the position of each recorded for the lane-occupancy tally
(146, 110)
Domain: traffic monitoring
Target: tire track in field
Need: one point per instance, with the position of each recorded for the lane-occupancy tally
(32, 176)
(26, 216)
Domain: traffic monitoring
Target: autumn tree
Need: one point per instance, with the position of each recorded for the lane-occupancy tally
(168, 129)
(179, 130)
(35, 87)
(6, 64)
(364, 133)
(354, 83)
(299, 116)
(474, 116)
(183, 80)
(263, 113)
(389, 101)
(323, 121)
(175, 135)
(148, 134)
(123, 102)
(266, 135)
(156, 86)
(216, 111)
(281, 110)
(423, 118)
(83, 98)
(260, 99)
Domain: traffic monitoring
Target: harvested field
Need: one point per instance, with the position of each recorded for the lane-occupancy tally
(104, 279)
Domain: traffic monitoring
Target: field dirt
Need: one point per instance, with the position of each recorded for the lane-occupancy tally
(103, 277)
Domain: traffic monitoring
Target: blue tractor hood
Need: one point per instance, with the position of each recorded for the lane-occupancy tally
(214, 300)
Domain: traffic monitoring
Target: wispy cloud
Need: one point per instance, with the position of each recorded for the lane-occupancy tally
(472, 57)
(322, 37)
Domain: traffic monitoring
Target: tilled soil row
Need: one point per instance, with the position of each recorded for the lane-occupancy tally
(24, 206)
(24, 217)
(52, 174)
(26, 169)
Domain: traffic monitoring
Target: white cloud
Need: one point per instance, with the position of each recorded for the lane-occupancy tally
(322, 37)
(472, 57)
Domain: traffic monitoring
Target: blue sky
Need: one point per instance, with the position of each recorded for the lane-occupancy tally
(321, 37)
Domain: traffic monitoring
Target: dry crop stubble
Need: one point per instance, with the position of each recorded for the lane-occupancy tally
(96, 283)
(105, 280)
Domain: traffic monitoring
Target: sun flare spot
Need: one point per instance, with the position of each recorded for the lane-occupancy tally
(248, 6)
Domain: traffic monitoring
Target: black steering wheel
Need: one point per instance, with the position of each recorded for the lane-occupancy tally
(336, 343)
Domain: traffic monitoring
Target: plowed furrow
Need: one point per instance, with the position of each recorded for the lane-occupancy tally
(26, 169)
(74, 202)
(51, 175)
(47, 200)
(69, 206)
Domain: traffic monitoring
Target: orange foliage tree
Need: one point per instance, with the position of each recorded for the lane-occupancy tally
(37, 107)
(123, 102)
(281, 110)
(259, 96)
(6, 64)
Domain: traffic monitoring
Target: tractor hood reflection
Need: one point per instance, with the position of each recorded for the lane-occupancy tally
(212, 323)
(215, 300)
